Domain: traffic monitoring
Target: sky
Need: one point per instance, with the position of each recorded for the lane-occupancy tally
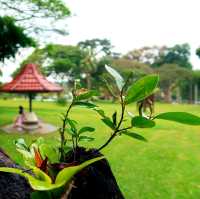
(131, 24)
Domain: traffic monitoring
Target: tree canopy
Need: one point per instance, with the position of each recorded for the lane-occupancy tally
(95, 50)
(198, 52)
(178, 54)
(37, 16)
(127, 66)
(12, 37)
(96, 46)
(85, 61)
(156, 56)
(58, 60)
(146, 54)
(171, 77)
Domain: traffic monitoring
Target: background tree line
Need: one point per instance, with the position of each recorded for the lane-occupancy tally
(20, 28)
(86, 61)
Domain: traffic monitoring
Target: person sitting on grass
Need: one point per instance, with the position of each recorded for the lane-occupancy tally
(20, 119)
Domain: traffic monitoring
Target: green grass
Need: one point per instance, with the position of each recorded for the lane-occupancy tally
(166, 167)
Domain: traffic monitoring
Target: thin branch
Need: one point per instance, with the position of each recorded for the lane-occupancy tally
(124, 129)
(12, 7)
(123, 107)
(62, 131)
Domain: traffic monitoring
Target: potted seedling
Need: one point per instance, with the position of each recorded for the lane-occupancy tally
(71, 171)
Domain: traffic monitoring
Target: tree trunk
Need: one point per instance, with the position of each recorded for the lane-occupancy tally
(178, 95)
(190, 100)
(196, 93)
(167, 95)
(88, 81)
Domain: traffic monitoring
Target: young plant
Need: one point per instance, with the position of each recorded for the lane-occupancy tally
(42, 161)
(79, 98)
(38, 150)
(45, 174)
(135, 93)
(47, 169)
(127, 94)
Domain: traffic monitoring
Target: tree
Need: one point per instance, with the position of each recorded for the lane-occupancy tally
(178, 54)
(63, 62)
(198, 52)
(196, 84)
(156, 56)
(171, 76)
(146, 54)
(37, 57)
(94, 48)
(127, 66)
(12, 38)
(66, 61)
(37, 16)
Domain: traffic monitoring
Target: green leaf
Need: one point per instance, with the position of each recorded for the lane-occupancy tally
(20, 144)
(108, 122)
(181, 117)
(135, 136)
(40, 175)
(99, 111)
(27, 153)
(87, 95)
(141, 88)
(71, 132)
(86, 138)
(86, 129)
(28, 157)
(114, 118)
(72, 124)
(49, 151)
(42, 182)
(39, 141)
(130, 114)
(66, 174)
(85, 104)
(118, 78)
(142, 122)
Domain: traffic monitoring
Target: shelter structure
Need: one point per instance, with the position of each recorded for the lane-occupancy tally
(30, 81)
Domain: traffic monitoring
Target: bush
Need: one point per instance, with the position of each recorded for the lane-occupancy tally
(62, 101)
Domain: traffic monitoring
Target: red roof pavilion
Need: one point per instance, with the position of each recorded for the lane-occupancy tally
(30, 81)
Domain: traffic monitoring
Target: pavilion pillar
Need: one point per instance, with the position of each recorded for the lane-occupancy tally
(30, 101)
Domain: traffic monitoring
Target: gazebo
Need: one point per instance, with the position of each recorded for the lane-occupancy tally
(30, 81)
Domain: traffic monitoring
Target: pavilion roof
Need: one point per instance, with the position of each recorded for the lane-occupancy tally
(30, 80)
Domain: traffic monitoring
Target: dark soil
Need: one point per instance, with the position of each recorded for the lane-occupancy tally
(12, 186)
(94, 182)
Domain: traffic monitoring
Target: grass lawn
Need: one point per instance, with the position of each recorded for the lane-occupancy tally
(166, 167)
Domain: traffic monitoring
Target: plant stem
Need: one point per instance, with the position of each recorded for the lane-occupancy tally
(74, 147)
(119, 124)
(123, 107)
(62, 132)
(124, 129)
